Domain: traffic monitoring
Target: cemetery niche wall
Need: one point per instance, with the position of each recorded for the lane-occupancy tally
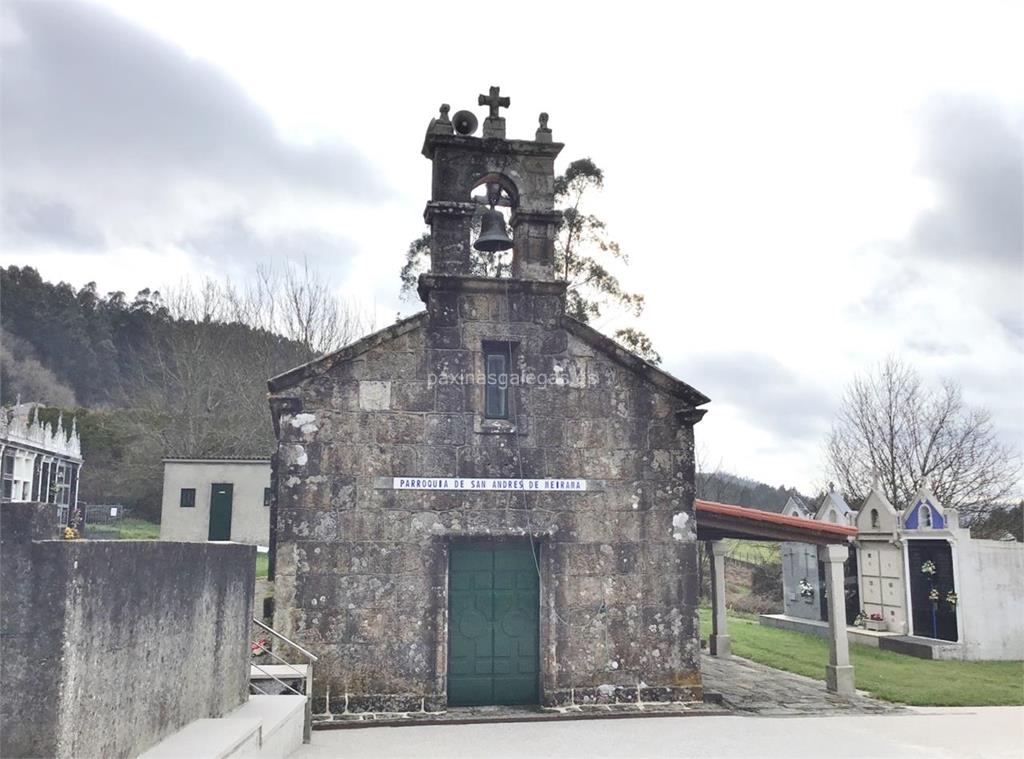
(925, 586)
(443, 539)
(803, 573)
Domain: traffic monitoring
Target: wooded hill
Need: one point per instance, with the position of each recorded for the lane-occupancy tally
(184, 374)
(148, 376)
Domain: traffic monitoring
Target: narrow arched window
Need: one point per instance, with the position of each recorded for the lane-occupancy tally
(925, 516)
(874, 518)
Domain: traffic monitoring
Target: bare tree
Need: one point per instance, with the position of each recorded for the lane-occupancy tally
(893, 427)
(200, 387)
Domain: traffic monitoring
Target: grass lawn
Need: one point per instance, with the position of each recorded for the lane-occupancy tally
(753, 551)
(884, 674)
(262, 564)
(126, 529)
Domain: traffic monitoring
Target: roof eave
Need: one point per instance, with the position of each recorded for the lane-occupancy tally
(317, 366)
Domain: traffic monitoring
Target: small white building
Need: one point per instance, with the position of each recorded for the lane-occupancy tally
(216, 499)
(41, 461)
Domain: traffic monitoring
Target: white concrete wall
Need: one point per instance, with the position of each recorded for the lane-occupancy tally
(991, 598)
(250, 519)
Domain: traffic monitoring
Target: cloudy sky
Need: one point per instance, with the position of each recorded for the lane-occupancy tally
(802, 190)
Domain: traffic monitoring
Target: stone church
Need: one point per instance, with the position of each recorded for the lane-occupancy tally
(488, 502)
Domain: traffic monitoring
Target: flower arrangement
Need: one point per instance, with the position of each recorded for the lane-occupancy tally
(876, 617)
(951, 599)
(861, 619)
(933, 595)
(806, 589)
(259, 646)
(928, 568)
(70, 533)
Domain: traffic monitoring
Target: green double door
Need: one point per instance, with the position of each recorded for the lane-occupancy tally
(494, 606)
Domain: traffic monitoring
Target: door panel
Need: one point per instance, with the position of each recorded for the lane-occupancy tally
(221, 495)
(932, 619)
(493, 652)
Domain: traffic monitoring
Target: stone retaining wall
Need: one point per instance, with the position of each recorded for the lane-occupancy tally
(110, 646)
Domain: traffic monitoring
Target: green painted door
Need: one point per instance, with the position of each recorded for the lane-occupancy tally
(494, 605)
(220, 510)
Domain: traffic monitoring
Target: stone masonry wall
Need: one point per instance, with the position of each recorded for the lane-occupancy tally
(361, 572)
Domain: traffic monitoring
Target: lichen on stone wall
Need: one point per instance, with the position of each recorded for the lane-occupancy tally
(682, 527)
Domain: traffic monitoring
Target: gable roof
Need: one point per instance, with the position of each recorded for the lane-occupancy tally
(626, 358)
(876, 500)
(605, 345)
(833, 498)
(799, 502)
(293, 377)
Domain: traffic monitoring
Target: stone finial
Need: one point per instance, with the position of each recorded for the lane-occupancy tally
(494, 124)
(543, 133)
(442, 124)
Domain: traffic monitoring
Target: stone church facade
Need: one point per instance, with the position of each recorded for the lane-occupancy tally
(441, 541)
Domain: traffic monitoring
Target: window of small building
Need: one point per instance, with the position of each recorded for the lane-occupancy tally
(268, 495)
(8, 476)
(874, 518)
(188, 498)
(497, 367)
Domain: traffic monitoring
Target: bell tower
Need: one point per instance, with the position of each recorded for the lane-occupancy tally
(518, 174)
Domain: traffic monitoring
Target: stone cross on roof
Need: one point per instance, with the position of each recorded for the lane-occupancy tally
(494, 101)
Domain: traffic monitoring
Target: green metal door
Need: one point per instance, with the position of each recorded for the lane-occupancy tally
(494, 605)
(220, 510)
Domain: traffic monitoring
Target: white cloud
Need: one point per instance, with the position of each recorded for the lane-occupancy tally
(773, 170)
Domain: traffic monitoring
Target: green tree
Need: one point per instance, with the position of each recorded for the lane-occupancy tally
(583, 249)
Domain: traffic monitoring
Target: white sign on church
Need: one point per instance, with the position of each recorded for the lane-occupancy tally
(467, 483)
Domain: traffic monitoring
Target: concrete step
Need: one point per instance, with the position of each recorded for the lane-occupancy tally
(281, 671)
(281, 720)
(268, 727)
(210, 739)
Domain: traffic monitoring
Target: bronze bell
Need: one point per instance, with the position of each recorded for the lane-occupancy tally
(493, 236)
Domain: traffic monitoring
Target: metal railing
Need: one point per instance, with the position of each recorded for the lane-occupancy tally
(258, 648)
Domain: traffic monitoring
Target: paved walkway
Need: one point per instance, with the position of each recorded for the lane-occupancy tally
(751, 688)
(985, 733)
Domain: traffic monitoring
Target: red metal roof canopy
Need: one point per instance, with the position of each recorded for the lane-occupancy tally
(716, 521)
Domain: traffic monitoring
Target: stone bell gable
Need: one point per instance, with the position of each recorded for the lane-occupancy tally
(386, 450)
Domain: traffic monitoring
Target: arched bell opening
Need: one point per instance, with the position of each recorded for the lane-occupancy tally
(491, 235)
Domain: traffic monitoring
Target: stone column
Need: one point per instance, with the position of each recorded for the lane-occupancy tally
(533, 254)
(449, 236)
(838, 671)
(720, 643)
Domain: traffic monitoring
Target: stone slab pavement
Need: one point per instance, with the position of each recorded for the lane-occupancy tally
(751, 688)
(931, 733)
